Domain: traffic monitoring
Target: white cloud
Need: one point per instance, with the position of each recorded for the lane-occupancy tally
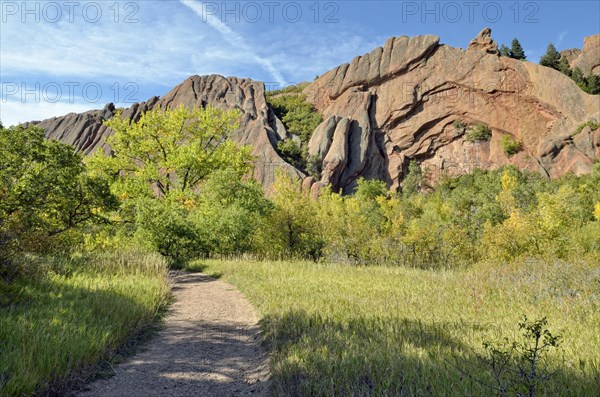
(153, 50)
(165, 46)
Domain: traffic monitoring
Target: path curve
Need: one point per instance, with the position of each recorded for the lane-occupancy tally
(209, 346)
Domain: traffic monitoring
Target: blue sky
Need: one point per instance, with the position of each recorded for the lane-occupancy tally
(60, 56)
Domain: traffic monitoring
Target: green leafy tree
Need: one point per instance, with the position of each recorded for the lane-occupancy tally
(44, 191)
(516, 51)
(504, 51)
(371, 189)
(228, 213)
(292, 153)
(551, 58)
(158, 169)
(170, 151)
(297, 114)
(291, 229)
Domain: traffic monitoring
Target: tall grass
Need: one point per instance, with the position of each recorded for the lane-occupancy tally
(380, 331)
(57, 325)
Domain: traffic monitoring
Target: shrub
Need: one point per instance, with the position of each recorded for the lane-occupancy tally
(510, 146)
(458, 124)
(479, 133)
(414, 180)
(290, 229)
(592, 123)
(292, 153)
(297, 115)
(314, 167)
(517, 367)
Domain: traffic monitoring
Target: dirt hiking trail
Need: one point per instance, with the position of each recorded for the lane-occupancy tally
(209, 346)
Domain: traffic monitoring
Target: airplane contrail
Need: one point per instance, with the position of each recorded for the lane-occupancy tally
(233, 38)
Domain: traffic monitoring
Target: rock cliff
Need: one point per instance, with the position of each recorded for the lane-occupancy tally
(588, 59)
(415, 98)
(258, 126)
(412, 99)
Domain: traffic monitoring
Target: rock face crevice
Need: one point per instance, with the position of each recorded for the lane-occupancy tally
(417, 90)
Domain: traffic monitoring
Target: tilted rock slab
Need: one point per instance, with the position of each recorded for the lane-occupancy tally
(400, 101)
(259, 127)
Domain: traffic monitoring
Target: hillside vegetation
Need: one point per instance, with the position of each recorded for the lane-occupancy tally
(300, 120)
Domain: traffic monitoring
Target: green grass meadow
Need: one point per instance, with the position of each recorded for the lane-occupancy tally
(336, 330)
(56, 326)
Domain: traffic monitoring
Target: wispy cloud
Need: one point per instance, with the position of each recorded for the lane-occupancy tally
(561, 37)
(233, 38)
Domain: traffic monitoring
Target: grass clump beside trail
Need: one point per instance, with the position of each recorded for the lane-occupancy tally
(57, 325)
(344, 330)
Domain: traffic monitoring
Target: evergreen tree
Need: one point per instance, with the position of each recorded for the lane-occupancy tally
(517, 51)
(564, 67)
(593, 84)
(414, 179)
(551, 58)
(578, 77)
(504, 51)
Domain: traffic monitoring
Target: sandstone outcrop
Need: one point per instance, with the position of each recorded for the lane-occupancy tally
(259, 127)
(402, 102)
(484, 42)
(588, 59)
(412, 99)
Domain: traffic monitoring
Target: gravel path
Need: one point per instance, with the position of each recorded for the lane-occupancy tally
(209, 346)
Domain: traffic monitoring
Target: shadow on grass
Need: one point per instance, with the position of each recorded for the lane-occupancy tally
(61, 335)
(314, 355)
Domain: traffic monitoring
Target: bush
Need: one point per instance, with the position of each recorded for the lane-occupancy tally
(479, 133)
(292, 153)
(592, 123)
(291, 228)
(458, 124)
(163, 226)
(517, 367)
(510, 145)
(297, 115)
